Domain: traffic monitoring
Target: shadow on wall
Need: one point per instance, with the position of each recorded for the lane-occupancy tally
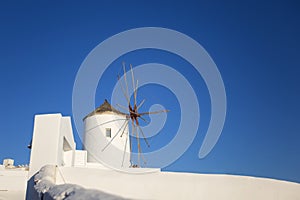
(42, 186)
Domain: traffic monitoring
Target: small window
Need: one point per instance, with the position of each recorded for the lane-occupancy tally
(108, 132)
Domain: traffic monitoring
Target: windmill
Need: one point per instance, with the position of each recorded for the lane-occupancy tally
(133, 113)
(107, 118)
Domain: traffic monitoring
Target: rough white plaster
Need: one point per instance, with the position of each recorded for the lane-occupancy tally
(47, 189)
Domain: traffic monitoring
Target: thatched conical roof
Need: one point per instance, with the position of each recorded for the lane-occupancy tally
(105, 107)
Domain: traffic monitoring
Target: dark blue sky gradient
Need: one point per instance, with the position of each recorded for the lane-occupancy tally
(255, 45)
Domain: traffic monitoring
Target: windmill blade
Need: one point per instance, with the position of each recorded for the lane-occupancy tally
(133, 86)
(122, 107)
(124, 129)
(140, 154)
(142, 102)
(132, 112)
(125, 80)
(113, 137)
(127, 135)
(155, 112)
(130, 145)
(138, 144)
(132, 127)
(146, 141)
(144, 119)
(135, 94)
(123, 91)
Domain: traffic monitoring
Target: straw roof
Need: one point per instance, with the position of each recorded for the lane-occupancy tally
(104, 108)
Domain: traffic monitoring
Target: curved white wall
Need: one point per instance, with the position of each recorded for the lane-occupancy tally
(95, 139)
(172, 185)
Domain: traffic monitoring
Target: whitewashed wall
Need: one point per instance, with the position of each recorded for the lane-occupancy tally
(171, 185)
(47, 189)
(53, 143)
(52, 136)
(13, 184)
(95, 140)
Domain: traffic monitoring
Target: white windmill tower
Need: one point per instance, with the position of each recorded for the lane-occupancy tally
(104, 125)
(106, 137)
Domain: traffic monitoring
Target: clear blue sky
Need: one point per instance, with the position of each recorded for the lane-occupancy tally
(255, 45)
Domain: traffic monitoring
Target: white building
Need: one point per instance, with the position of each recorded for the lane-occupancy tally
(13, 180)
(57, 170)
(106, 137)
